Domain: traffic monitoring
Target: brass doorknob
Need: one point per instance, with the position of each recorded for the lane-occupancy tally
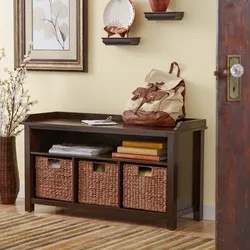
(221, 73)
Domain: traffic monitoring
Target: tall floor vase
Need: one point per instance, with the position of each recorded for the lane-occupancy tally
(9, 175)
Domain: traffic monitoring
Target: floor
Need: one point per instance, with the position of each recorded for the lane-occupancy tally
(185, 225)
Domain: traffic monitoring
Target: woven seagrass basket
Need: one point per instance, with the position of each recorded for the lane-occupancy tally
(98, 183)
(54, 178)
(145, 192)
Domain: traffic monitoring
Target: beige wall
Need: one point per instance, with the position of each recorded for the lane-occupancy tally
(115, 71)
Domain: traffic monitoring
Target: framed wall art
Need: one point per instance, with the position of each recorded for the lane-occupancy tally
(58, 31)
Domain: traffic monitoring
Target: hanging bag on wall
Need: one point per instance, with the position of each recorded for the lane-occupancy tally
(160, 102)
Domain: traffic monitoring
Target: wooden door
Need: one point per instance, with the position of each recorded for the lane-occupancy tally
(233, 127)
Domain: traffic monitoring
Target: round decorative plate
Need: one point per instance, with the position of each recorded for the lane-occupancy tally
(119, 15)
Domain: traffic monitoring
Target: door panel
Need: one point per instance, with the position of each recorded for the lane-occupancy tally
(233, 130)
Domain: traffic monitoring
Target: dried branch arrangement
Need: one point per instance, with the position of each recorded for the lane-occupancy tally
(15, 101)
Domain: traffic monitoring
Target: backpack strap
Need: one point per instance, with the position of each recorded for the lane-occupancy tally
(172, 68)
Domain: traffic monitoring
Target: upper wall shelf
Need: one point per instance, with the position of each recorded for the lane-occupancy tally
(121, 40)
(164, 15)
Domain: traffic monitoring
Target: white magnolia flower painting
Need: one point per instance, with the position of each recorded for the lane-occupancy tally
(51, 25)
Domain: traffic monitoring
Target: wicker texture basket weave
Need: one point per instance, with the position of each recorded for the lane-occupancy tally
(9, 174)
(99, 188)
(54, 183)
(143, 192)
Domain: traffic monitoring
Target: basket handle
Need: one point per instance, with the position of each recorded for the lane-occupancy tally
(172, 68)
(99, 167)
(54, 163)
(145, 171)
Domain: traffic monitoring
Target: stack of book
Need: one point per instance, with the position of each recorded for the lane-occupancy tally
(142, 150)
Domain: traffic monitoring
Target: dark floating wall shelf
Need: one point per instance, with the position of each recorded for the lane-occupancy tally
(164, 15)
(121, 40)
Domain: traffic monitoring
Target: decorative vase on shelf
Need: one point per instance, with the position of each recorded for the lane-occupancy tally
(159, 5)
(9, 175)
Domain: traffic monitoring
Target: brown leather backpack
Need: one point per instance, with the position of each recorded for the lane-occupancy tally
(160, 102)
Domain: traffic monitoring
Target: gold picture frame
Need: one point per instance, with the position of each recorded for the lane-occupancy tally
(58, 31)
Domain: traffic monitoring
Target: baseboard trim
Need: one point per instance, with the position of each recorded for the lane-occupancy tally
(208, 213)
(208, 210)
(21, 191)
